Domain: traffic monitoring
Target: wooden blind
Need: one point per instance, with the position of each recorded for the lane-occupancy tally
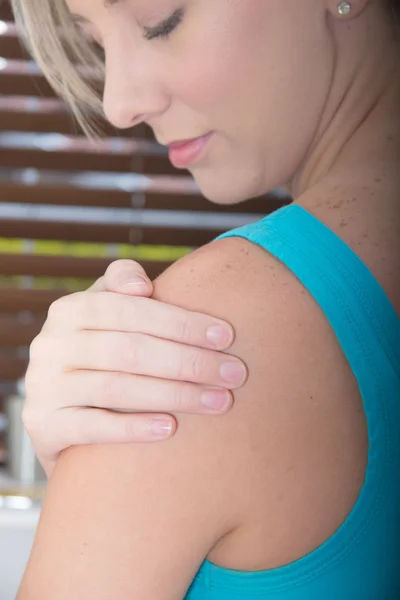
(69, 207)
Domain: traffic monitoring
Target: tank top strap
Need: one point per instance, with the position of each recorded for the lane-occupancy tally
(352, 299)
(363, 551)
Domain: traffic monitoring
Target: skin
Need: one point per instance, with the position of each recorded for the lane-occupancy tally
(315, 110)
(303, 119)
(300, 104)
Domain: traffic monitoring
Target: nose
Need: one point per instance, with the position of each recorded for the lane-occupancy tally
(132, 93)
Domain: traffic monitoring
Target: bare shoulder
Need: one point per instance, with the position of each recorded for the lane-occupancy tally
(297, 432)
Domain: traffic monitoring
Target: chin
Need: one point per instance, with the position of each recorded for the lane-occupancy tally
(226, 189)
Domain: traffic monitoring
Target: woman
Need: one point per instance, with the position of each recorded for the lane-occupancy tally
(294, 493)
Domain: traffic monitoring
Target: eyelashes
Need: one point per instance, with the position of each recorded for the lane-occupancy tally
(162, 30)
(165, 28)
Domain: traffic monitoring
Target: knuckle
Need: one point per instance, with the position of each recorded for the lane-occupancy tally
(97, 286)
(179, 398)
(181, 368)
(184, 398)
(64, 309)
(131, 429)
(131, 358)
(30, 419)
(35, 345)
(125, 311)
(57, 308)
(184, 329)
(54, 308)
(31, 379)
(87, 308)
(38, 347)
(110, 273)
(192, 365)
(109, 389)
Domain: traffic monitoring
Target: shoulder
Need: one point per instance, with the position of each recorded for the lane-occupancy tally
(241, 489)
(236, 274)
(291, 420)
(237, 280)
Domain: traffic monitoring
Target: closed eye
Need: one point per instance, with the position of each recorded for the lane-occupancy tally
(165, 28)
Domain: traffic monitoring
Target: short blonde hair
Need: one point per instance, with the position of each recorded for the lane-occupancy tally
(61, 50)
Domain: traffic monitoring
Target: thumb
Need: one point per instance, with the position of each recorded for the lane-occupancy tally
(125, 276)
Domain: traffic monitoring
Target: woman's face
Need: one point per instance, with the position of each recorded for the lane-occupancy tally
(257, 73)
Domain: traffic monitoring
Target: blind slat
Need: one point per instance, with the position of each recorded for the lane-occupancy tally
(67, 266)
(36, 301)
(111, 234)
(14, 333)
(12, 367)
(17, 157)
(10, 45)
(73, 195)
(6, 13)
(22, 84)
(46, 122)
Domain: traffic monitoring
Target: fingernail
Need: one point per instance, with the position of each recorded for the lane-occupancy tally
(215, 399)
(133, 280)
(219, 335)
(161, 427)
(233, 372)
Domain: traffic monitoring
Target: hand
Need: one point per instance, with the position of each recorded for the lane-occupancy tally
(108, 354)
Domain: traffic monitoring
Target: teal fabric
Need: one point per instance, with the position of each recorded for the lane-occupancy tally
(361, 561)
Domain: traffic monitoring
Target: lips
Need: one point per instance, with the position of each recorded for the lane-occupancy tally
(181, 143)
(182, 154)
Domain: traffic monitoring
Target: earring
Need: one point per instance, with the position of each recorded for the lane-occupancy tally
(344, 8)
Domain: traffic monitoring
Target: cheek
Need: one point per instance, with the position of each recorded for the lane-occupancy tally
(213, 55)
(262, 94)
(206, 80)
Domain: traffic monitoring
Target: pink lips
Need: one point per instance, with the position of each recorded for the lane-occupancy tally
(183, 155)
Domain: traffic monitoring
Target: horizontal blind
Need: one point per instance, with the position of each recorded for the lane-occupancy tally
(69, 207)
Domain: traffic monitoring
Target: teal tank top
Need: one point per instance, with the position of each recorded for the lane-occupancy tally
(361, 561)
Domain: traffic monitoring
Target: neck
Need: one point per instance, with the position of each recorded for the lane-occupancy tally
(360, 141)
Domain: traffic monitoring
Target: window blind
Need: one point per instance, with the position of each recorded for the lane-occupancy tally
(69, 207)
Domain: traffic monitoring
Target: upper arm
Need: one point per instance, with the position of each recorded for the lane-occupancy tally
(137, 520)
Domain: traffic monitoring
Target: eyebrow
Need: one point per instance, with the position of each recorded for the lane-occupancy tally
(106, 3)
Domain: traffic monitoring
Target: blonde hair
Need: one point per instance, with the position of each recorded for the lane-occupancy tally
(63, 53)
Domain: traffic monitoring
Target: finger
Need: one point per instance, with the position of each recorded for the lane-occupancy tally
(117, 312)
(97, 286)
(147, 355)
(123, 391)
(124, 275)
(97, 426)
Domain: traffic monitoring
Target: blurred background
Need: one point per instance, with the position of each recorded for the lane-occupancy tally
(68, 208)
